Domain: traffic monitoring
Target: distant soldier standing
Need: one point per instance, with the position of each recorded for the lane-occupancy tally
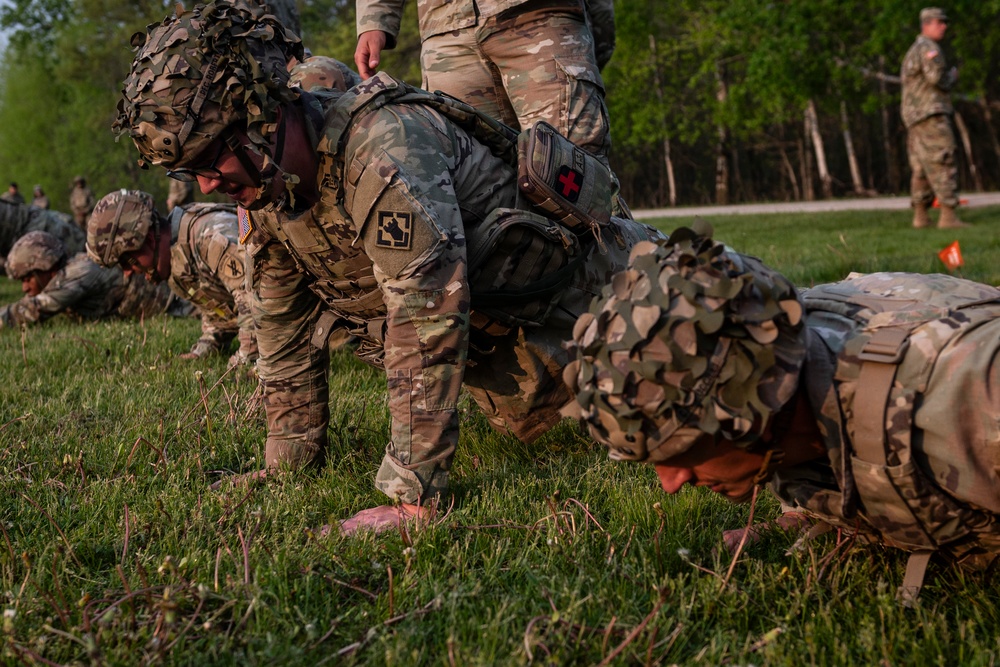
(55, 282)
(518, 61)
(13, 195)
(926, 110)
(81, 202)
(40, 199)
(195, 249)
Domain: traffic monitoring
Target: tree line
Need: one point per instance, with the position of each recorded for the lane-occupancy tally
(711, 101)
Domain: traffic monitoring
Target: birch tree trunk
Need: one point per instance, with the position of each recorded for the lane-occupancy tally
(796, 194)
(963, 132)
(721, 160)
(988, 119)
(812, 122)
(852, 158)
(805, 166)
(668, 162)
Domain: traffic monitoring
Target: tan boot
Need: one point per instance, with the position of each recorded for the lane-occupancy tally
(920, 217)
(949, 220)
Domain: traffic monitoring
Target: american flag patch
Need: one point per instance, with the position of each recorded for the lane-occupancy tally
(246, 224)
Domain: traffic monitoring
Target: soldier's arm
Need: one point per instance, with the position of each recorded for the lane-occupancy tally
(421, 269)
(602, 25)
(383, 15)
(54, 299)
(231, 272)
(292, 370)
(936, 70)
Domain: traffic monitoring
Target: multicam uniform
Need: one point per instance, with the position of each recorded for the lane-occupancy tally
(917, 464)
(179, 193)
(207, 268)
(16, 220)
(85, 291)
(519, 61)
(324, 72)
(387, 255)
(926, 110)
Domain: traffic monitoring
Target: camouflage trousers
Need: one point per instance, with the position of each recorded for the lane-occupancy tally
(532, 66)
(931, 147)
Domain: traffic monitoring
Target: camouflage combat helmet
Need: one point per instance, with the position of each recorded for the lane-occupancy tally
(119, 224)
(35, 251)
(324, 72)
(198, 72)
(690, 339)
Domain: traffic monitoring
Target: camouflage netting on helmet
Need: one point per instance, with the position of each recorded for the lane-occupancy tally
(197, 73)
(119, 224)
(35, 251)
(691, 339)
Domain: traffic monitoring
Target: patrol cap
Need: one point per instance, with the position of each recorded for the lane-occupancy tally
(199, 71)
(35, 251)
(691, 339)
(120, 223)
(930, 13)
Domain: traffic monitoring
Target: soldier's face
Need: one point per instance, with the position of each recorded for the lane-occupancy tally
(151, 260)
(722, 467)
(935, 29)
(36, 281)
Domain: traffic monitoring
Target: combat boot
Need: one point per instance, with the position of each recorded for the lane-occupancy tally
(920, 217)
(949, 220)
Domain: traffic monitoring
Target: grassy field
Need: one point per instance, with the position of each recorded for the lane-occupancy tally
(115, 552)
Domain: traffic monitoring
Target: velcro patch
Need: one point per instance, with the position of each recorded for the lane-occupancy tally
(568, 183)
(931, 54)
(395, 230)
(246, 224)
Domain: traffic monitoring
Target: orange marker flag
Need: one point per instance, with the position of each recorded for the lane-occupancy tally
(952, 256)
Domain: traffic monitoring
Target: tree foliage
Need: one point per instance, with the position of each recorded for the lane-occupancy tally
(698, 77)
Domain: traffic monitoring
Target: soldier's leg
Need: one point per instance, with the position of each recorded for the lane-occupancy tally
(546, 58)
(939, 149)
(920, 188)
(453, 63)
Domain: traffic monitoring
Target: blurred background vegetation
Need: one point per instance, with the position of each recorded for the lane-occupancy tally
(711, 101)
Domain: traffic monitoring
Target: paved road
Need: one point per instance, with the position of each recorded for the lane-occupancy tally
(872, 204)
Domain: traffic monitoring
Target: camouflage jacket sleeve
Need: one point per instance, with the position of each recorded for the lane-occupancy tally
(384, 15)
(404, 206)
(62, 293)
(292, 370)
(221, 262)
(935, 67)
(602, 24)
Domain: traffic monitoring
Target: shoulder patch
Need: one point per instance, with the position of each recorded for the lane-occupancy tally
(931, 54)
(395, 230)
(246, 224)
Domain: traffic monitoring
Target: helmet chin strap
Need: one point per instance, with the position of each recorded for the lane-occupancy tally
(272, 181)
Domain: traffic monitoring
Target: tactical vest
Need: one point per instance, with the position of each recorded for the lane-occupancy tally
(185, 278)
(344, 277)
(887, 331)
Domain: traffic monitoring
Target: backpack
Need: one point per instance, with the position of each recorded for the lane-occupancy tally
(888, 331)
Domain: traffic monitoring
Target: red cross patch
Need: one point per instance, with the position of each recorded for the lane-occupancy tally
(568, 183)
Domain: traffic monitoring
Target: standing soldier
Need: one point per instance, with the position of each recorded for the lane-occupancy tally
(13, 194)
(387, 210)
(40, 200)
(870, 404)
(81, 202)
(195, 250)
(520, 61)
(926, 110)
(55, 282)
